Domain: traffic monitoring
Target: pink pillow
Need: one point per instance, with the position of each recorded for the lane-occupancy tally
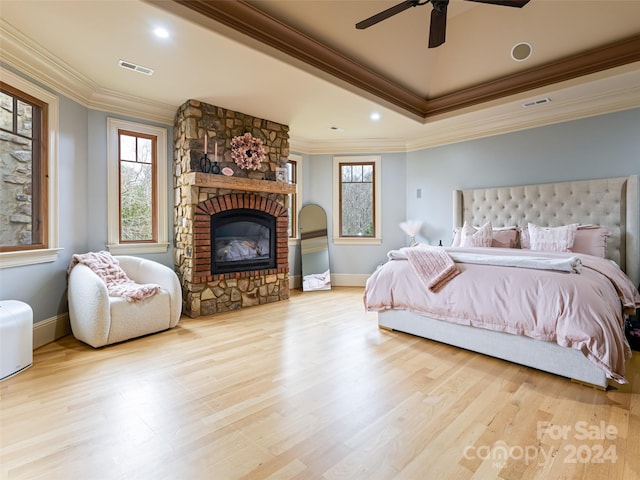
(592, 240)
(503, 237)
(471, 236)
(552, 239)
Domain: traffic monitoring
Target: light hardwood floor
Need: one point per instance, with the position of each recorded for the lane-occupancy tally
(308, 388)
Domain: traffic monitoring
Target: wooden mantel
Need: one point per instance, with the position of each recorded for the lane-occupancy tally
(238, 183)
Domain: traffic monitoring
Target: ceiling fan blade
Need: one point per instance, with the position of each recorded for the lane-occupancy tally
(389, 12)
(438, 27)
(504, 3)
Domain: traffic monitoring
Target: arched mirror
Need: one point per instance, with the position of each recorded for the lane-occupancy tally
(314, 247)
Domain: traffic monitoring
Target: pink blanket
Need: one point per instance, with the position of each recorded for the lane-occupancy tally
(433, 266)
(584, 311)
(118, 283)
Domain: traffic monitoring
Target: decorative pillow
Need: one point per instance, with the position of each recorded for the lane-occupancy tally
(592, 240)
(503, 237)
(525, 241)
(552, 239)
(471, 236)
(506, 237)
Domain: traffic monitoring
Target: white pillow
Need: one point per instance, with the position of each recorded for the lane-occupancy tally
(471, 236)
(552, 239)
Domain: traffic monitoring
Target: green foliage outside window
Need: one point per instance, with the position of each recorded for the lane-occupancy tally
(136, 189)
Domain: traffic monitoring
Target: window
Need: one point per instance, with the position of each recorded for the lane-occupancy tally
(137, 185)
(356, 200)
(28, 163)
(137, 157)
(292, 177)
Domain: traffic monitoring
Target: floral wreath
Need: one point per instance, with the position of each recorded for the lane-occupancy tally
(247, 151)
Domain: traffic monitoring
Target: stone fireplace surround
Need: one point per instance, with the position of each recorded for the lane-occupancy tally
(208, 293)
(199, 195)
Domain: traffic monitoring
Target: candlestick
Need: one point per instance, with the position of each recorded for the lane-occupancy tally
(205, 143)
(215, 153)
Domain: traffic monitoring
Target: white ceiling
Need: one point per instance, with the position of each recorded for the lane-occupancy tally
(74, 46)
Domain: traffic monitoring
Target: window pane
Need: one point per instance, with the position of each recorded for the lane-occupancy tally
(357, 209)
(25, 119)
(16, 215)
(292, 177)
(128, 148)
(145, 151)
(6, 111)
(136, 202)
(367, 173)
(357, 173)
(346, 173)
(23, 213)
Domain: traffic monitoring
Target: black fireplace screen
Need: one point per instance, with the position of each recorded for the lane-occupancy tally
(242, 239)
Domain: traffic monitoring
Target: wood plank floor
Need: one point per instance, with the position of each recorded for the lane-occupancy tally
(308, 388)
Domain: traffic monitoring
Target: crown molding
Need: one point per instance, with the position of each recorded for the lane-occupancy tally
(346, 146)
(502, 118)
(257, 25)
(512, 117)
(252, 22)
(24, 55)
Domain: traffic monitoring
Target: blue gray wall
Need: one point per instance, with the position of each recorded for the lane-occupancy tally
(595, 147)
(82, 202)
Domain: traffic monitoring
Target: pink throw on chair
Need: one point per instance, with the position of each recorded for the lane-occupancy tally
(117, 281)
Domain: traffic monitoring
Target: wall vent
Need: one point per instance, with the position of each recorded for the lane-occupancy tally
(533, 103)
(135, 68)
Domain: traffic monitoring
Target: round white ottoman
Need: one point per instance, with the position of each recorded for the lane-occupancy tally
(16, 337)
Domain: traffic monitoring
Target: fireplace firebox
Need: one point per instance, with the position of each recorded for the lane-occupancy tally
(242, 239)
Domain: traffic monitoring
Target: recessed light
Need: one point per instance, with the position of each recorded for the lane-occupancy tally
(161, 32)
(375, 116)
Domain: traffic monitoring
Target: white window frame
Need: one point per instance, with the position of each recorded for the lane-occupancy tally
(49, 254)
(377, 192)
(298, 159)
(113, 188)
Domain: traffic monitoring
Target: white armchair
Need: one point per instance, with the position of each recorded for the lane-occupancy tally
(98, 319)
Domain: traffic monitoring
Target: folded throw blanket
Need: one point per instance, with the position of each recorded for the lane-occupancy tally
(109, 270)
(433, 266)
(569, 264)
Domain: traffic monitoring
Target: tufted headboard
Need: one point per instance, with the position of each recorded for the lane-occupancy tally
(610, 202)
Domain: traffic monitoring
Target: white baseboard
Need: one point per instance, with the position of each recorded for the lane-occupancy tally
(50, 330)
(295, 281)
(337, 279)
(53, 328)
(349, 279)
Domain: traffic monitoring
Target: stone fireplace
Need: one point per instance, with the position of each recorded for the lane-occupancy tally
(231, 239)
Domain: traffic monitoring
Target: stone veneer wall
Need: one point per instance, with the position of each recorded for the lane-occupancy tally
(194, 119)
(205, 294)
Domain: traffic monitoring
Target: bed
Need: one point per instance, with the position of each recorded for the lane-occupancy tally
(612, 203)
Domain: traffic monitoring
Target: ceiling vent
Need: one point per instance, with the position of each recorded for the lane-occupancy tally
(540, 101)
(135, 68)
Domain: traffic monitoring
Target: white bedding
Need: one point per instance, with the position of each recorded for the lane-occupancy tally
(535, 260)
